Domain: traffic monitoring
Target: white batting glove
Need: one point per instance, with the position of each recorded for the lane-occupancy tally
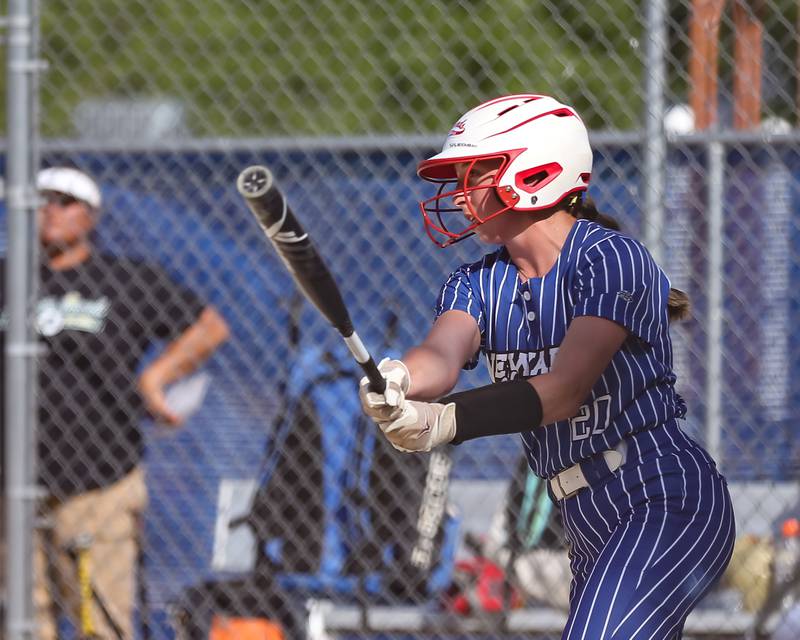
(389, 404)
(421, 426)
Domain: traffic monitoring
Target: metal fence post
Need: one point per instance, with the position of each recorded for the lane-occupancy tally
(714, 275)
(655, 145)
(20, 346)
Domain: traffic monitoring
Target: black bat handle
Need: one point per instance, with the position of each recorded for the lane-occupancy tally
(376, 381)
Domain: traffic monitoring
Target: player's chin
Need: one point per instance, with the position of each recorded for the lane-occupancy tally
(487, 237)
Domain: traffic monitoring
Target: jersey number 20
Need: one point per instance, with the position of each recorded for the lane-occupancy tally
(591, 419)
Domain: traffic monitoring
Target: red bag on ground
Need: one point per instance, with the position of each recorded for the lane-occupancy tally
(479, 585)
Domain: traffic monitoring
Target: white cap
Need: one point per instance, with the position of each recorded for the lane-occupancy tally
(70, 181)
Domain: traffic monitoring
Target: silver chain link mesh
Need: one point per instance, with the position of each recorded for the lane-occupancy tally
(163, 103)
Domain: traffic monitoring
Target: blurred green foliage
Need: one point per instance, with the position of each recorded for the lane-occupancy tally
(337, 67)
(341, 67)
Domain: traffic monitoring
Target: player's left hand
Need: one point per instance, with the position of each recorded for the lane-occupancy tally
(387, 405)
(421, 426)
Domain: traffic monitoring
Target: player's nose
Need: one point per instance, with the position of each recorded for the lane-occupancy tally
(460, 201)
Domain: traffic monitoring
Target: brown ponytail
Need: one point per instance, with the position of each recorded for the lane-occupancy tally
(585, 209)
(678, 304)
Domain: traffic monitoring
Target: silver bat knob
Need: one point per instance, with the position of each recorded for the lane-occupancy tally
(254, 181)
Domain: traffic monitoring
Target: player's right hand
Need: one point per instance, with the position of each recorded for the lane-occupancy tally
(386, 406)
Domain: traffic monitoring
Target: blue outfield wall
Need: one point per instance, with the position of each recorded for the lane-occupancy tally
(181, 209)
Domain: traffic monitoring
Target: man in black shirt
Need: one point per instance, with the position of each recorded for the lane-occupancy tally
(96, 317)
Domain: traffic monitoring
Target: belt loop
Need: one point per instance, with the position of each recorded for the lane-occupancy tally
(595, 469)
(622, 448)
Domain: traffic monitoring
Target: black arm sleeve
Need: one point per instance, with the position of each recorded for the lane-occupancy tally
(499, 408)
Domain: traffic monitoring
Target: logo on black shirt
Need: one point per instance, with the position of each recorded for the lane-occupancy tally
(71, 311)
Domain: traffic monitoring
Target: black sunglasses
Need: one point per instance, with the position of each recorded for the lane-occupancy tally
(61, 199)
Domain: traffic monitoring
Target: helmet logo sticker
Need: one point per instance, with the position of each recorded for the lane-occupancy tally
(458, 128)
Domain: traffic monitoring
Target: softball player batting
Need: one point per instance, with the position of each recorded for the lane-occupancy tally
(573, 319)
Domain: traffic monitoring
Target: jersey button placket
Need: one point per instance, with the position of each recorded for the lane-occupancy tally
(526, 295)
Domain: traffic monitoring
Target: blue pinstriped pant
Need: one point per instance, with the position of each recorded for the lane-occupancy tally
(649, 542)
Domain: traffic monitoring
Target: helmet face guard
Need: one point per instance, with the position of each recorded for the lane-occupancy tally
(445, 222)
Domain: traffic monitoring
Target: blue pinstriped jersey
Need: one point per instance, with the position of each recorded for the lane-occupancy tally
(599, 272)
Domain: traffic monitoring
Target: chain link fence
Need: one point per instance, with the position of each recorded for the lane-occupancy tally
(274, 501)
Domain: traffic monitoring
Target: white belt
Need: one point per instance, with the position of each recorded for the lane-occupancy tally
(568, 482)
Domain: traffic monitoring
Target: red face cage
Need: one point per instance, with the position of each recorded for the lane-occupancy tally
(447, 224)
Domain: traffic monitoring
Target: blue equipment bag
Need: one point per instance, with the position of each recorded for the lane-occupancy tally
(339, 511)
